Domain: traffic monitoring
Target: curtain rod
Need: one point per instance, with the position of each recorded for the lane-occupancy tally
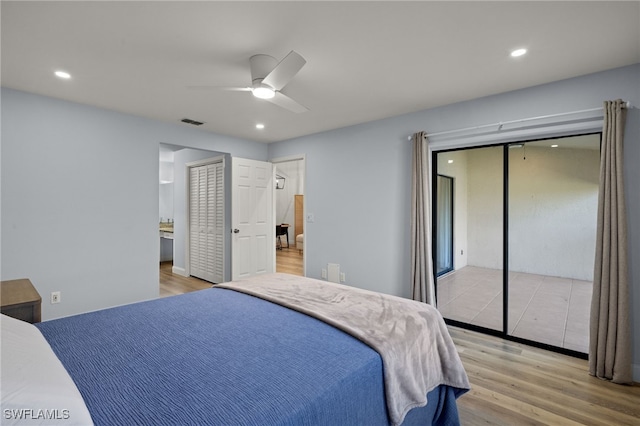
(627, 104)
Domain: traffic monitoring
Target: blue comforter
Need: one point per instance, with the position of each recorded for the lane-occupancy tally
(224, 358)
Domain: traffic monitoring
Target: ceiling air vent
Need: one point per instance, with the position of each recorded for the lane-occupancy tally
(190, 121)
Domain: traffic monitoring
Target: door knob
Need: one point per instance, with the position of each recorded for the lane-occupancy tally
(236, 230)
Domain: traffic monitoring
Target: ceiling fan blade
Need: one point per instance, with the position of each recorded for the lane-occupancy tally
(226, 88)
(285, 70)
(286, 102)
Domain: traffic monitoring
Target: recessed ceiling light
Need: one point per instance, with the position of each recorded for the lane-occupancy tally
(554, 146)
(450, 161)
(259, 126)
(63, 74)
(518, 52)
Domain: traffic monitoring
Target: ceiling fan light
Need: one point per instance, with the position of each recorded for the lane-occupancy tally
(63, 74)
(263, 92)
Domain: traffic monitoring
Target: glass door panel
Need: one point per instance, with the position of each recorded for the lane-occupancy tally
(444, 255)
(553, 199)
(472, 291)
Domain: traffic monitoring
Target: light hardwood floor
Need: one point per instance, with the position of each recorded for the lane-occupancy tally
(512, 384)
(172, 284)
(289, 261)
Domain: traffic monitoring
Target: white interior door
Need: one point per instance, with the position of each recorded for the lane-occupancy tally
(252, 225)
(206, 222)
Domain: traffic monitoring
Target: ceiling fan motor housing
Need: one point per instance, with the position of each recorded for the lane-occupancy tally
(261, 66)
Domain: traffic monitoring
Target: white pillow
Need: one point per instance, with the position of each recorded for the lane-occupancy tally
(35, 387)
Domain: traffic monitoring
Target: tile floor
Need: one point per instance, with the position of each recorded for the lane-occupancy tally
(545, 309)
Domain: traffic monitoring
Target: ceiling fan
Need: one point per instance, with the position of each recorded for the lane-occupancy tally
(268, 77)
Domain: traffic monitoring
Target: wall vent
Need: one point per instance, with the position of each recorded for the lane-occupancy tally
(190, 121)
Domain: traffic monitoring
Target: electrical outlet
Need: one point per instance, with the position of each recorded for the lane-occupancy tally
(55, 297)
(324, 273)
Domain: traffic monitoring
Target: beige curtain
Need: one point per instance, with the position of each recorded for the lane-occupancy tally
(610, 334)
(422, 286)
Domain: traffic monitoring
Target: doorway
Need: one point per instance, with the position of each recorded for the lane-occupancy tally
(524, 244)
(177, 208)
(174, 206)
(289, 198)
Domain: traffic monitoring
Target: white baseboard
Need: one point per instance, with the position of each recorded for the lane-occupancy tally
(179, 271)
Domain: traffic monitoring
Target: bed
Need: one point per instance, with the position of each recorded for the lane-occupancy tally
(257, 352)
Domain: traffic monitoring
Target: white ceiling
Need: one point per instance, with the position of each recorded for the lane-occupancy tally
(365, 60)
(590, 142)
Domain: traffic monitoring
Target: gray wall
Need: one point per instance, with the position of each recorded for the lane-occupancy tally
(484, 205)
(80, 199)
(553, 206)
(358, 178)
(166, 201)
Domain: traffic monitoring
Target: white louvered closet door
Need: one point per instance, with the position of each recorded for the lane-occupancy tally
(206, 222)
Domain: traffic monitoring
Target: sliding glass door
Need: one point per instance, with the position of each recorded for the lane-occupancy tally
(531, 206)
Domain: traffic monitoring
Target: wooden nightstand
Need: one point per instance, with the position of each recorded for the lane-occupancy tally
(19, 299)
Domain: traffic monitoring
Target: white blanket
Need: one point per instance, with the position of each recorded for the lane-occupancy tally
(417, 351)
(35, 387)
